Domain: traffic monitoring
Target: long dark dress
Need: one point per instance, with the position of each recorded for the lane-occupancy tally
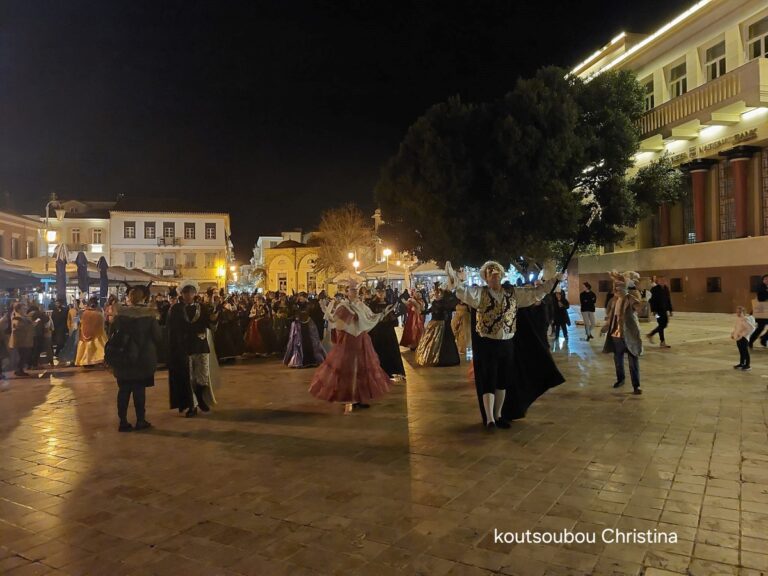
(304, 349)
(385, 341)
(227, 339)
(184, 329)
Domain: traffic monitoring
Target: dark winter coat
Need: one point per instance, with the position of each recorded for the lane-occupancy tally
(141, 323)
(587, 299)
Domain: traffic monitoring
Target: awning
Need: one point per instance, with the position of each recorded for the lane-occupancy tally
(347, 277)
(380, 271)
(428, 269)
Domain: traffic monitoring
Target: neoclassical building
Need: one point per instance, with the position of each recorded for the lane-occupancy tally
(290, 266)
(705, 77)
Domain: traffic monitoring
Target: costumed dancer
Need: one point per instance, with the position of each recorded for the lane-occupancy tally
(507, 383)
(93, 337)
(462, 327)
(413, 329)
(383, 336)
(229, 343)
(623, 329)
(260, 338)
(438, 346)
(281, 322)
(189, 359)
(304, 348)
(68, 353)
(351, 372)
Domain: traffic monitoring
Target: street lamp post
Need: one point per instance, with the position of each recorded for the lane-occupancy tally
(387, 253)
(50, 235)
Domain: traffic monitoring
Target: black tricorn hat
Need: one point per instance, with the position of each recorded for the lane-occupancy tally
(380, 285)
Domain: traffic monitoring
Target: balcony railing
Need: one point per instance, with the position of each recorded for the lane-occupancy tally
(747, 83)
(76, 247)
(169, 241)
(171, 271)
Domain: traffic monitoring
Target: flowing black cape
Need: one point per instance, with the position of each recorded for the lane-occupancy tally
(535, 369)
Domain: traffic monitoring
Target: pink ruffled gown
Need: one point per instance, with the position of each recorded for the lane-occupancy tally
(351, 372)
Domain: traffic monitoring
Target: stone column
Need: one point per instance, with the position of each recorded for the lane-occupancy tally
(699, 189)
(739, 159)
(739, 170)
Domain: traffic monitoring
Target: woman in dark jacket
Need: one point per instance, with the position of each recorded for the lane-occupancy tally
(560, 319)
(139, 322)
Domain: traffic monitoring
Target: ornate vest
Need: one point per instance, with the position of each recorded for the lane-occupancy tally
(496, 319)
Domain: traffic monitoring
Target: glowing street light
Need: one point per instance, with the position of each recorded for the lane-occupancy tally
(351, 255)
(387, 253)
(50, 236)
(356, 265)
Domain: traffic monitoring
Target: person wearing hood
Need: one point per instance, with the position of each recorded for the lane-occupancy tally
(136, 371)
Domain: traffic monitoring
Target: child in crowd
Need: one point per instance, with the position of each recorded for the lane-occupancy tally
(742, 330)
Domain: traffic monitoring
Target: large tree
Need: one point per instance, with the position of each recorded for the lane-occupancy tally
(341, 231)
(543, 166)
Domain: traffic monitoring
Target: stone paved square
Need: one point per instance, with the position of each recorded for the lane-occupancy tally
(274, 482)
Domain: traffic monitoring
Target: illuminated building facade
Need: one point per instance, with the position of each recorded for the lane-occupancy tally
(705, 78)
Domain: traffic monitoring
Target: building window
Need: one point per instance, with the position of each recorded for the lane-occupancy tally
(210, 231)
(129, 230)
(75, 235)
(210, 260)
(675, 284)
(604, 286)
(169, 261)
(15, 249)
(169, 230)
(757, 39)
(190, 261)
(648, 100)
(726, 201)
(150, 261)
(713, 284)
(130, 259)
(189, 230)
(97, 236)
(311, 282)
(149, 231)
(30, 249)
(282, 282)
(715, 61)
(678, 81)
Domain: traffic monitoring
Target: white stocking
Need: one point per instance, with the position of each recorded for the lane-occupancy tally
(488, 405)
(500, 395)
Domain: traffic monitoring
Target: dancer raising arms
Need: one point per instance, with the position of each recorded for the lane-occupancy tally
(493, 349)
(351, 372)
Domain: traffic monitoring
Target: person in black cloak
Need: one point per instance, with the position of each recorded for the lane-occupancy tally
(317, 314)
(227, 339)
(512, 366)
(189, 375)
(383, 335)
(59, 319)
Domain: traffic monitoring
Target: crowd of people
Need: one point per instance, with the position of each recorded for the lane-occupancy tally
(350, 338)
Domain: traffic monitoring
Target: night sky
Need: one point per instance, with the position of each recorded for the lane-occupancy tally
(273, 111)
